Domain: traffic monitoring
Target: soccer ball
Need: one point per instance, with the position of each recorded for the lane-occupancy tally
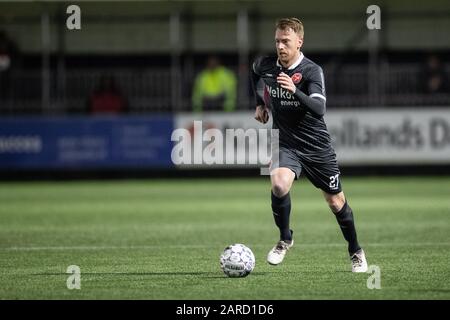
(237, 261)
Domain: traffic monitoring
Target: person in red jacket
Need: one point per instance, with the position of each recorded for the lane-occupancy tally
(107, 98)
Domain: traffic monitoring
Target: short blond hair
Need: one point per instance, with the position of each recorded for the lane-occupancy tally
(293, 23)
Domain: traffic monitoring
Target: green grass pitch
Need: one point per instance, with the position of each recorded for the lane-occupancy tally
(161, 239)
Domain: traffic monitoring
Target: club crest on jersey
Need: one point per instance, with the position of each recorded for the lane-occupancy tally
(296, 77)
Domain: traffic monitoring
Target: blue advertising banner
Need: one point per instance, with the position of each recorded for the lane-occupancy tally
(82, 142)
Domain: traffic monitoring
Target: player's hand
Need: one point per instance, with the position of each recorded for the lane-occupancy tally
(286, 82)
(262, 114)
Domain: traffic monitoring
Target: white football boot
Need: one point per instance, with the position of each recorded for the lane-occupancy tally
(359, 262)
(276, 255)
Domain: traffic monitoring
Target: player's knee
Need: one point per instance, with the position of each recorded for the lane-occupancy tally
(280, 189)
(281, 182)
(335, 203)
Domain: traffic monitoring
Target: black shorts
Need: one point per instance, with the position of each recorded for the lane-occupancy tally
(322, 171)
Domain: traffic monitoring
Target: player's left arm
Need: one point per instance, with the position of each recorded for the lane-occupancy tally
(316, 101)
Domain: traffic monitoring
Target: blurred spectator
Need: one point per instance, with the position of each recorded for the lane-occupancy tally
(8, 56)
(107, 98)
(214, 88)
(436, 81)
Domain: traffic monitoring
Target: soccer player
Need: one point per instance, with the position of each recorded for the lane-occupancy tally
(295, 91)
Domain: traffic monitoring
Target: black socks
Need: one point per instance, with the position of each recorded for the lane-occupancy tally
(281, 209)
(345, 219)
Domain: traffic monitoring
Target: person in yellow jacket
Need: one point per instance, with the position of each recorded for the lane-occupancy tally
(214, 88)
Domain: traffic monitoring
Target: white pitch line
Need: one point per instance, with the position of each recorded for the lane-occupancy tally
(198, 246)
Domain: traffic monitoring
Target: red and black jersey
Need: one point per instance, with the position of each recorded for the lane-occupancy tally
(299, 115)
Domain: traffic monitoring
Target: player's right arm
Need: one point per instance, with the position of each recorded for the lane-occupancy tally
(261, 112)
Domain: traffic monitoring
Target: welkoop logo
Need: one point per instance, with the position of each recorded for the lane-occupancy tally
(232, 147)
(279, 93)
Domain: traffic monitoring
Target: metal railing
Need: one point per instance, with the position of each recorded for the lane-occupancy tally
(151, 89)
